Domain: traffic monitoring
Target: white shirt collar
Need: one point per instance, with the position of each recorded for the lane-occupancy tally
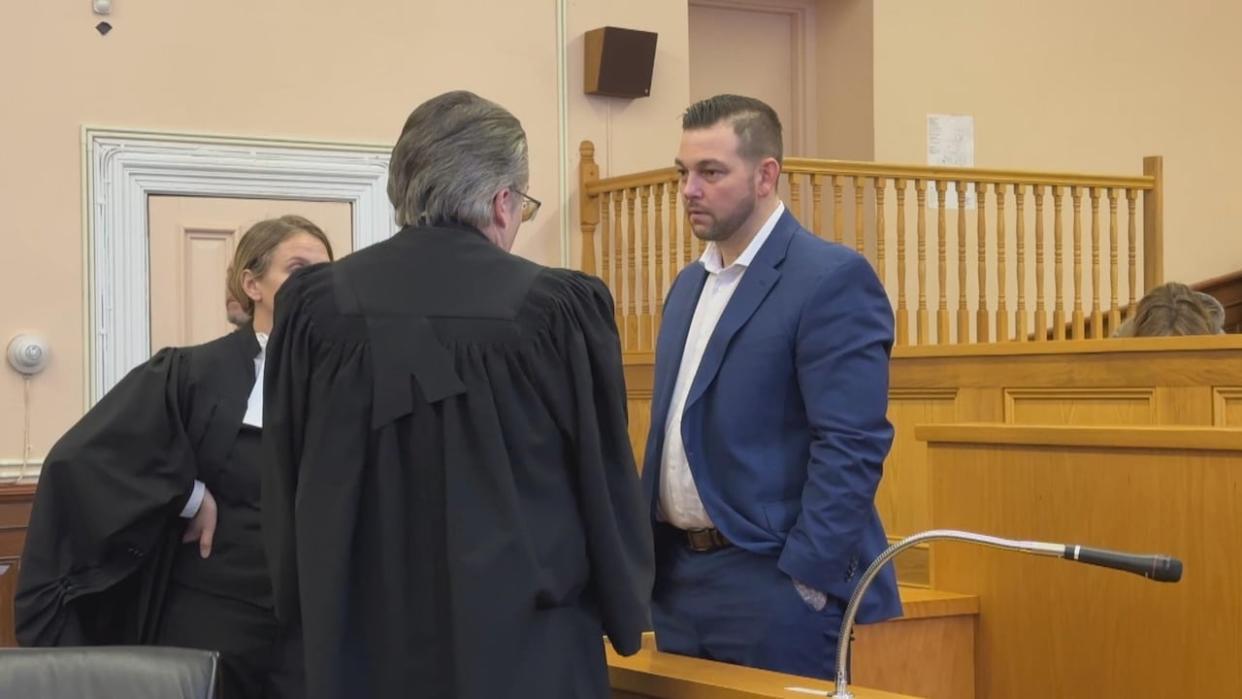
(711, 254)
(254, 406)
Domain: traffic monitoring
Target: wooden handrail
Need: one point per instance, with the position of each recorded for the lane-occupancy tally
(1018, 258)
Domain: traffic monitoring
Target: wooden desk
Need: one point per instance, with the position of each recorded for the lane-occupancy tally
(650, 674)
(1054, 628)
(928, 652)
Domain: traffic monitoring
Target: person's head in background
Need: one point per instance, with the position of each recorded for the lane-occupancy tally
(462, 159)
(266, 255)
(1174, 309)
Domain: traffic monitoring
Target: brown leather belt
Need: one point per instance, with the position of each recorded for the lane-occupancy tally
(704, 540)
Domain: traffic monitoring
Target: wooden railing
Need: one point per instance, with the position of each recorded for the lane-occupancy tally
(636, 238)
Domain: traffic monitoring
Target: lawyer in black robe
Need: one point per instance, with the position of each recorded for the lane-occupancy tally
(450, 500)
(104, 562)
(179, 436)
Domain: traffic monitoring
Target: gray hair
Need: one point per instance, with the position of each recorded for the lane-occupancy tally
(455, 152)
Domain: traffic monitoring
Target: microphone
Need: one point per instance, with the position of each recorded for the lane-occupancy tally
(1152, 567)
(1155, 567)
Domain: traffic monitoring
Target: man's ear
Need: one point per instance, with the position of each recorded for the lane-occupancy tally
(769, 171)
(503, 210)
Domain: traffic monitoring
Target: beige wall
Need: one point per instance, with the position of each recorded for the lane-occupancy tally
(1080, 86)
(845, 73)
(314, 70)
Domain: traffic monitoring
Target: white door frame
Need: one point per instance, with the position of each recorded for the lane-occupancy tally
(125, 167)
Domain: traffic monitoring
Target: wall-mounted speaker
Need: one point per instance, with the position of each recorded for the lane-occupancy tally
(619, 62)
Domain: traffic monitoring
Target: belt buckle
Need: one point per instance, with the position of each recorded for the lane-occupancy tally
(704, 540)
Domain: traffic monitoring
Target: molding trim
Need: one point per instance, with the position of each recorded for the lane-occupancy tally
(123, 168)
(922, 394)
(11, 471)
(1222, 397)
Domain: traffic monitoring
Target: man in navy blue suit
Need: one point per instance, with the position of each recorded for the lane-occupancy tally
(768, 428)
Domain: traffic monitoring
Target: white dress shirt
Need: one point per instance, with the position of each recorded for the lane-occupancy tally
(680, 504)
(254, 418)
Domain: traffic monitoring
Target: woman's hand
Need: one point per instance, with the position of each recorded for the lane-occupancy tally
(203, 527)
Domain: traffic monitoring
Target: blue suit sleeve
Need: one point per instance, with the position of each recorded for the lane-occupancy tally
(844, 338)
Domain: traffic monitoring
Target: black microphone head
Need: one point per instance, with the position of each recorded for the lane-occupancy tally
(1166, 569)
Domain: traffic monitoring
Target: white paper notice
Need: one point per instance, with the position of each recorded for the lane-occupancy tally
(951, 141)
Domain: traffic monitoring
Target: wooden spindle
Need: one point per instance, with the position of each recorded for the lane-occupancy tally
(881, 269)
(795, 195)
(1114, 308)
(982, 321)
(588, 214)
(1097, 316)
(942, 264)
(860, 240)
(660, 289)
(1058, 313)
(838, 209)
(1002, 307)
(817, 205)
(1041, 313)
(920, 191)
(1079, 330)
(618, 234)
(646, 316)
(605, 241)
(963, 313)
(1019, 194)
(674, 236)
(1131, 199)
(903, 313)
(687, 238)
(631, 314)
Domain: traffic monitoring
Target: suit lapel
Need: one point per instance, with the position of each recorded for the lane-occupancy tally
(760, 277)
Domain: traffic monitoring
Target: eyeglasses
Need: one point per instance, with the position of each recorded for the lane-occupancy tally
(530, 206)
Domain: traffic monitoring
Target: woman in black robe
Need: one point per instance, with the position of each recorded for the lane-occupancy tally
(145, 527)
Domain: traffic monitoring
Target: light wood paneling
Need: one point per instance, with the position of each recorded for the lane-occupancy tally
(901, 498)
(1162, 381)
(1079, 406)
(1227, 406)
(650, 674)
(1051, 628)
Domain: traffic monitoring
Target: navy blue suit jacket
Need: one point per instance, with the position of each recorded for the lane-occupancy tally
(785, 426)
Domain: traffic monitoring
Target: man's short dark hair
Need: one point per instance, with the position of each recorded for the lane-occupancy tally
(757, 127)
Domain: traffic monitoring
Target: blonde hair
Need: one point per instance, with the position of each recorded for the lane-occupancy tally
(254, 251)
(1174, 309)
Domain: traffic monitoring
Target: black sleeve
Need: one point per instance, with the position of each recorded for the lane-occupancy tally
(109, 495)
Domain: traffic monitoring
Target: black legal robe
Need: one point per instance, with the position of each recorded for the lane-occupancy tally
(450, 498)
(105, 526)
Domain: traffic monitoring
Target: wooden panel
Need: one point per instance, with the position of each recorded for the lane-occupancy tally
(8, 590)
(650, 674)
(928, 652)
(933, 658)
(1079, 406)
(15, 502)
(1050, 628)
(913, 566)
(902, 496)
(1227, 406)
